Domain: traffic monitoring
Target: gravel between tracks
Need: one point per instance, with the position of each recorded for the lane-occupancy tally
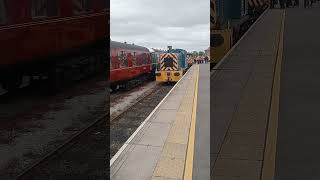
(86, 159)
(120, 101)
(32, 125)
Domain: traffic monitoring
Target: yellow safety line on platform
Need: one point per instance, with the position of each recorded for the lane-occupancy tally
(268, 168)
(190, 151)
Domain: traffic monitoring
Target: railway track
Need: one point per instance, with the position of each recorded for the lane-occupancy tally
(58, 163)
(123, 125)
(84, 155)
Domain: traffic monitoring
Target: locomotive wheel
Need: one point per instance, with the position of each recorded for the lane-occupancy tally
(12, 83)
(128, 85)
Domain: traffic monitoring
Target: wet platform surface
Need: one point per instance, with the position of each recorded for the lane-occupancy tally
(265, 98)
(298, 144)
(240, 100)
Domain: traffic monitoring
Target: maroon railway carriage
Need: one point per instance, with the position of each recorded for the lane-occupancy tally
(129, 64)
(51, 38)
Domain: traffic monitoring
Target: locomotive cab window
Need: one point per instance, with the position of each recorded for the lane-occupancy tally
(81, 6)
(123, 59)
(3, 12)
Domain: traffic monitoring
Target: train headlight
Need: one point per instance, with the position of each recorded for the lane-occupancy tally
(158, 74)
(177, 74)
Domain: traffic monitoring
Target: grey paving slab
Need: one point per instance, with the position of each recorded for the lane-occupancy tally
(139, 164)
(155, 135)
(248, 146)
(229, 169)
(298, 143)
(240, 97)
(164, 116)
(201, 162)
(171, 105)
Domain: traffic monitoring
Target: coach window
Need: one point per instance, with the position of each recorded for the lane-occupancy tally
(145, 58)
(123, 59)
(39, 8)
(134, 59)
(139, 60)
(3, 12)
(81, 6)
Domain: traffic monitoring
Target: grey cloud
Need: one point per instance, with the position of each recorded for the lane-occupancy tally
(180, 23)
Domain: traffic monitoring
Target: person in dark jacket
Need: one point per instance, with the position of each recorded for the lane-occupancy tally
(289, 3)
(206, 59)
(296, 3)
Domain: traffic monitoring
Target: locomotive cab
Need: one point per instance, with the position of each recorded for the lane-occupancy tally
(172, 65)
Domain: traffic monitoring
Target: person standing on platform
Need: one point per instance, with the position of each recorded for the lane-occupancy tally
(206, 59)
(296, 3)
(289, 3)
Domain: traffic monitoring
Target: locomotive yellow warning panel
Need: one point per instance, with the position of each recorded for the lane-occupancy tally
(169, 68)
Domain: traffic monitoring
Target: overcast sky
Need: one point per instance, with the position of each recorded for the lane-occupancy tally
(156, 24)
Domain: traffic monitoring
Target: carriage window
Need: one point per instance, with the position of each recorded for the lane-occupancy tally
(39, 8)
(139, 58)
(145, 58)
(3, 12)
(81, 6)
(134, 59)
(123, 59)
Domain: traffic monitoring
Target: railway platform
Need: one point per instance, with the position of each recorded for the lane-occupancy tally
(167, 144)
(265, 98)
